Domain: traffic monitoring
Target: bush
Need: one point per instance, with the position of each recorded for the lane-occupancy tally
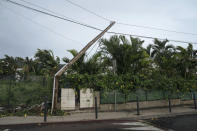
(29, 92)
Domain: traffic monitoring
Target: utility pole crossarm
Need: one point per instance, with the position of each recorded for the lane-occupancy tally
(65, 67)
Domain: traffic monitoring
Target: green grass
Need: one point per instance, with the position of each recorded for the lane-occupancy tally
(23, 92)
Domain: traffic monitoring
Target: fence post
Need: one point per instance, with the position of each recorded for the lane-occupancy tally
(146, 94)
(163, 93)
(96, 110)
(45, 110)
(169, 102)
(9, 93)
(115, 106)
(194, 98)
(138, 108)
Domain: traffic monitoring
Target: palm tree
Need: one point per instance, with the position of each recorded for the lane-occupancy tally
(77, 66)
(161, 48)
(163, 55)
(9, 65)
(148, 49)
(28, 67)
(186, 60)
(47, 64)
(90, 66)
(130, 56)
(1, 67)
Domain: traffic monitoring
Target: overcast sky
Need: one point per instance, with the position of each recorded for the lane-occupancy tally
(22, 31)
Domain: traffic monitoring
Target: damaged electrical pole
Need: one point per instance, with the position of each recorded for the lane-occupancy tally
(64, 68)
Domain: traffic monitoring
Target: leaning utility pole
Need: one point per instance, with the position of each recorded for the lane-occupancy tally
(64, 68)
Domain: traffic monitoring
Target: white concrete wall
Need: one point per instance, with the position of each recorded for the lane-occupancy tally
(67, 99)
(86, 98)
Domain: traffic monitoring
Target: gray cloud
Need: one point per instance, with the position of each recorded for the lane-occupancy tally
(21, 37)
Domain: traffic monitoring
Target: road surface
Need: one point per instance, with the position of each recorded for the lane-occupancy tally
(121, 125)
(177, 123)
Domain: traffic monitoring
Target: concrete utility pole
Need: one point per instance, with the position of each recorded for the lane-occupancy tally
(64, 68)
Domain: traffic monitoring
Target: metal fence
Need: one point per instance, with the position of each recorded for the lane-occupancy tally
(33, 90)
(111, 97)
(24, 92)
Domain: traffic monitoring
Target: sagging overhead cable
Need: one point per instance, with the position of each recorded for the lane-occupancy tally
(127, 24)
(92, 27)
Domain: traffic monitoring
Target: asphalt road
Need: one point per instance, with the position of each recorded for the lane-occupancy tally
(178, 123)
(120, 125)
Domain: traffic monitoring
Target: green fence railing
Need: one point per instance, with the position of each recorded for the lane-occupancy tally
(108, 97)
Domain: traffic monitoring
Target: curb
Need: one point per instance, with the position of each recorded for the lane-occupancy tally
(168, 115)
(59, 122)
(135, 118)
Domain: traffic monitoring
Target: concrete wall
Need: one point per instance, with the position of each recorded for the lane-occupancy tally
(67, 99)
(86, 98)
(187, 102)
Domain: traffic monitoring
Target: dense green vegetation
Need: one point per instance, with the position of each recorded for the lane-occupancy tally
(159, 66)
(25, 92)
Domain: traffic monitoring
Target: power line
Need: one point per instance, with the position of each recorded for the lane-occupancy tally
(41, 25)
(91, 50)
(48, 10)
(89, 26)
(126, 24)
(149, 37)
(49, 14)
(155, 28)
(91, 12)
(46, 26)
